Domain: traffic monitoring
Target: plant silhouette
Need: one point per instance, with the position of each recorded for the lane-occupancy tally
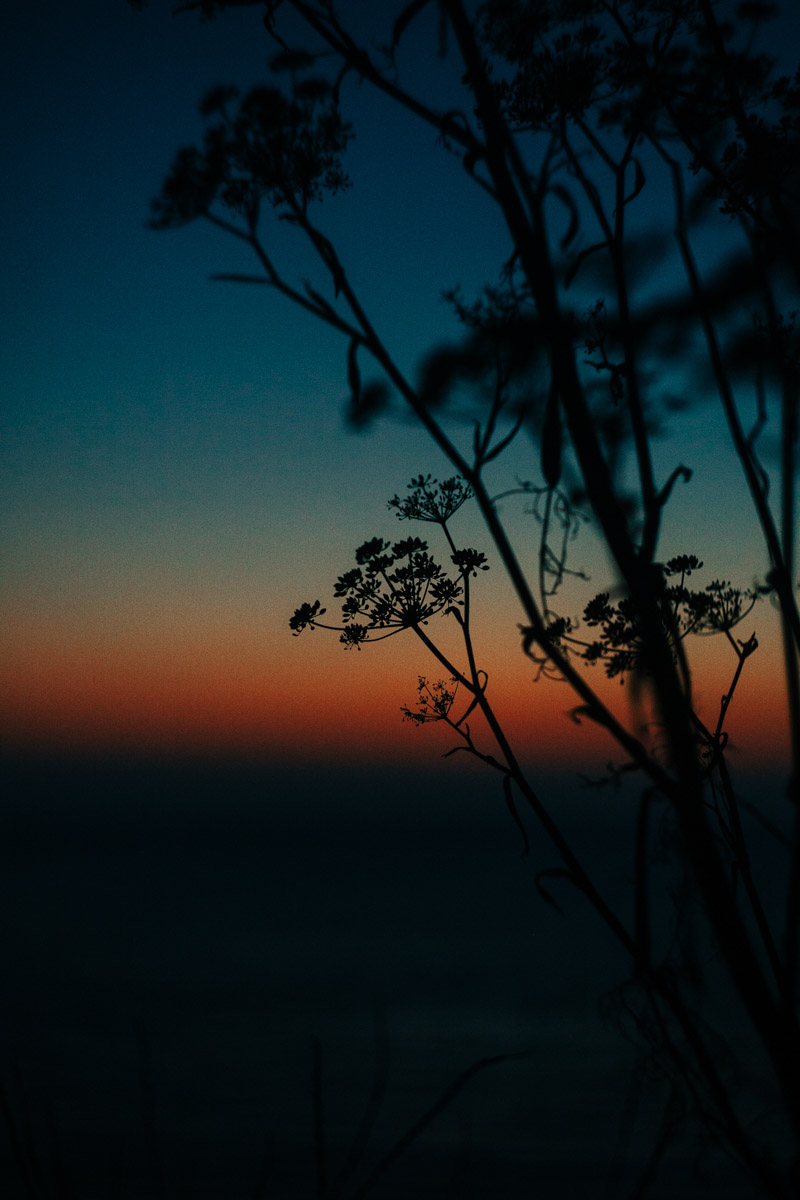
(575, 118)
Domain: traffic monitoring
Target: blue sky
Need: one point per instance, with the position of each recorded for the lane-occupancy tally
(177, 470)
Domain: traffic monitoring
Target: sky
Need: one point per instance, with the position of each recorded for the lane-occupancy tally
(178, 474)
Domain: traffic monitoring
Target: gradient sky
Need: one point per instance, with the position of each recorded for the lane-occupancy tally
(177, 471)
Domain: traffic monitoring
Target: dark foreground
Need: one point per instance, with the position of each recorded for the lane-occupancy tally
(176, 935)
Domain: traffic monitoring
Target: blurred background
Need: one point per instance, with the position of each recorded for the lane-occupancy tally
(218, 839)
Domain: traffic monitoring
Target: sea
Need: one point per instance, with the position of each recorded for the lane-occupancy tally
(245, 980)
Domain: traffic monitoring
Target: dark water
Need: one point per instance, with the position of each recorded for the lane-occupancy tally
(175, 934)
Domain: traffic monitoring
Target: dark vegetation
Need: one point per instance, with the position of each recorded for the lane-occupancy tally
(576, 117)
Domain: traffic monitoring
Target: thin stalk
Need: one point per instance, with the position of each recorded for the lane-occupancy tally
(615, 240)
(744, 866)
(595, 708)
(707, 867)
(568, 856)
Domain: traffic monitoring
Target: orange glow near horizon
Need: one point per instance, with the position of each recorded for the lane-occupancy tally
(221, 691)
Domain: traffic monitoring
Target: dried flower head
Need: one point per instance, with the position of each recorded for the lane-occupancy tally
(431, 500)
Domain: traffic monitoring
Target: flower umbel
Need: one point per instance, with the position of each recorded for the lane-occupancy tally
(399, 585)
(620, 644)
(306, 614)
(434, 701)
(431, 500)
(469, 561)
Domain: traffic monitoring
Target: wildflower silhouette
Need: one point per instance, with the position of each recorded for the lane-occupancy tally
(399, 585)
(622, 646)
(434, 702)
(615, 142)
